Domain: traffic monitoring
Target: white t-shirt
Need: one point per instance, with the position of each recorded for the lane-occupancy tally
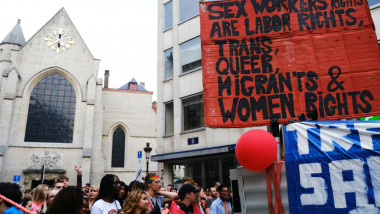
(102, 207)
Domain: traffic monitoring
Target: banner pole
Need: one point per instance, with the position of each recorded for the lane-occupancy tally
(274, 129)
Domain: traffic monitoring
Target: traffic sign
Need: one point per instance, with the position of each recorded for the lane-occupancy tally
(16, 178)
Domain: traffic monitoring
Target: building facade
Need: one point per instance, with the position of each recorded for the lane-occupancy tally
(55, 112)
(184, 145)
(375, 13)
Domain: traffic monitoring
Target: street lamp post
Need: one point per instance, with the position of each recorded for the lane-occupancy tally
(147, 151)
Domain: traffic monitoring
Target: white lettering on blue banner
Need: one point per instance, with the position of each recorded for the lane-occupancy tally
(333, 166)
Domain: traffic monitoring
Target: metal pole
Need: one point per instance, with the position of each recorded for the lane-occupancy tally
(147, 166)
(275, 131)
(43, 173)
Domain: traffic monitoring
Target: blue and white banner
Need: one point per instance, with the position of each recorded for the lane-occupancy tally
(333, 166)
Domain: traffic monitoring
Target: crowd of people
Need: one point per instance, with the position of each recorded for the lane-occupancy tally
(114, 196)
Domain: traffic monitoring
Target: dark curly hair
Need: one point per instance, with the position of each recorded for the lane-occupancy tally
(11, 191)
(68, 200)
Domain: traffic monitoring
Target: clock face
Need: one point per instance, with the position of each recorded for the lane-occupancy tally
(59, 40)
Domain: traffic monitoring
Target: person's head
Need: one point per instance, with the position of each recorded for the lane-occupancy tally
(131, 185)
(213, 192)
(201, 193)
(109, 187)
(153, 182)
(39, 193)
(51, 195)
(173, 190)
(64, 180)
(86, 204)
(136, 201)
(207, 192)
(27, 201)
(58, 185)
(223, 191)
(187, 180)
(123, 190)
(94, 192)
(11, 191)
(163, 189)
(68, 200)
(169, 187)
(139, 185)
(188, 194)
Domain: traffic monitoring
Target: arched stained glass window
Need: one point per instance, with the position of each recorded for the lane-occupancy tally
(118, 148)
(51, 111)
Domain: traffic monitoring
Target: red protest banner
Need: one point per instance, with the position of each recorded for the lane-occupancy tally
(276, 59)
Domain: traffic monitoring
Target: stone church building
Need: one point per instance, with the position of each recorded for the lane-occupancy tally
(55, 112)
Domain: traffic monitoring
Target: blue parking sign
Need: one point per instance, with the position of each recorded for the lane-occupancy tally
(139, 154)
(16, 178)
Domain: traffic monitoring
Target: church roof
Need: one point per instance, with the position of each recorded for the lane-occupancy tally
(127, 86)
(15, 36)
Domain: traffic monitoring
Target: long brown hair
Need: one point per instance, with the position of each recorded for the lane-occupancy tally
(39, 193)
(132, 201)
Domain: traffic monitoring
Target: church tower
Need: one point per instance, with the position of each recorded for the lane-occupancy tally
(55, 113)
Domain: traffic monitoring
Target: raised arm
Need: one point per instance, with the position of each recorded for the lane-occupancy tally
(78, 168)
(169, 196)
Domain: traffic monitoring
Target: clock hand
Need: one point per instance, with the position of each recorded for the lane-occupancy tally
(57, 41)
(52, 43)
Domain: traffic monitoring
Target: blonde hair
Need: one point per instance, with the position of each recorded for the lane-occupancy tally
(94, 187)
(132, 201)
(39, 193)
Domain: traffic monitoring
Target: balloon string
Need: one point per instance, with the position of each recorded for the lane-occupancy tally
(23, 209)
(269, 190)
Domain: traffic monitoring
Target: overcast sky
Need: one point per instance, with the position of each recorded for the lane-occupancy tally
(121, 33)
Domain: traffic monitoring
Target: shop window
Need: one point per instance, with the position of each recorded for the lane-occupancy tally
(212, 172)
(191, 170)
(168, 15)
(227, 164)
(51, 111)
(169, 118)
(169, 64)
(193, 112)
(118, 148)
(188, 9)
(191, 56)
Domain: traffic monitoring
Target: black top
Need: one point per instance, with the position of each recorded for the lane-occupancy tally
(183, 207)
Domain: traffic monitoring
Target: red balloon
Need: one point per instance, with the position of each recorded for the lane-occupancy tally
(256, 149)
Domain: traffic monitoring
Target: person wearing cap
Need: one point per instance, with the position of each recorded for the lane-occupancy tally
(156, 197)
(187, 203)
(221, 205)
